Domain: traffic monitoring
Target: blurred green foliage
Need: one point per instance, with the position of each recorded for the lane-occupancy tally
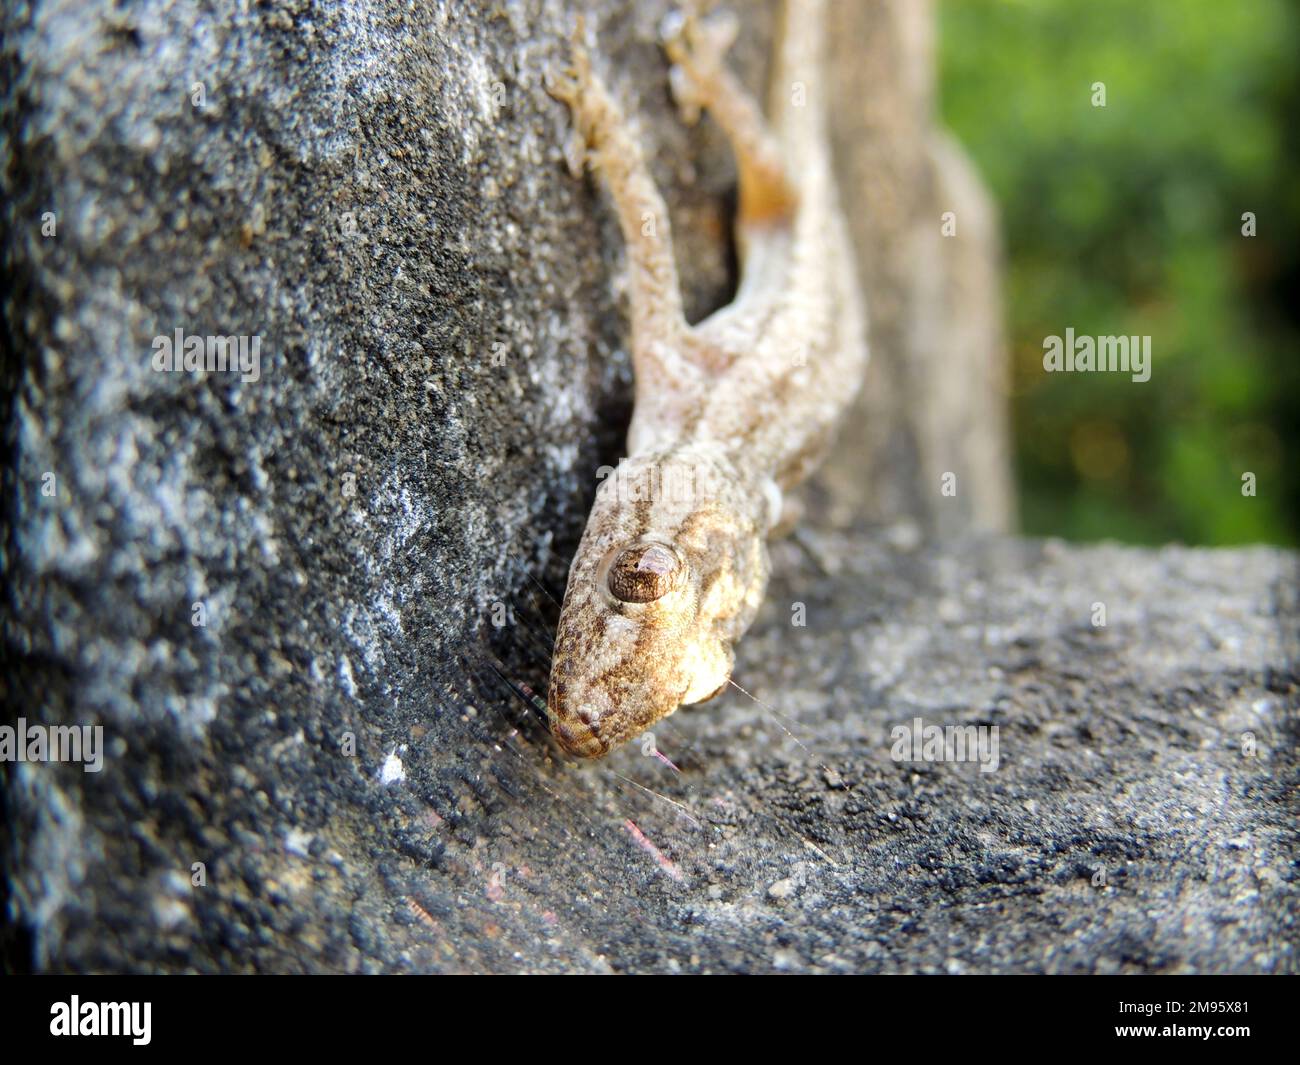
(1127, 219)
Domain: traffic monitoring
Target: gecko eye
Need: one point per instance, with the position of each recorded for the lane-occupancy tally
(643, 573)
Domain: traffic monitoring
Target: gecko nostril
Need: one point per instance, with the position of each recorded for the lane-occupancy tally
(643, 573)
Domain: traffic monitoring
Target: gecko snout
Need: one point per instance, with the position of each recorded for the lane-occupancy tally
(576, 733)
(578, 739)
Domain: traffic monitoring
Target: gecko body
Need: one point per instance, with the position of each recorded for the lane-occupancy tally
(729, 414)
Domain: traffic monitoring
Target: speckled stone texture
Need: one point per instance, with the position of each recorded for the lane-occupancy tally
(376, 527)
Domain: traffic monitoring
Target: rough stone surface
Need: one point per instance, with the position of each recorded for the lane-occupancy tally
(377, 190)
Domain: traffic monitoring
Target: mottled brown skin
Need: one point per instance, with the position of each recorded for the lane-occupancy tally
(729, 413)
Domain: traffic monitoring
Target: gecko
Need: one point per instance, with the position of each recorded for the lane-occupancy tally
(729, 414)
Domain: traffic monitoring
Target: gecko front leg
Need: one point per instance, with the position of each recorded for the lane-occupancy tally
(659, 330)
(701, 81)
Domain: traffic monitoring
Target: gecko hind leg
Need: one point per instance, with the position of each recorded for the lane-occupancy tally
(701, 80)
(613, 152)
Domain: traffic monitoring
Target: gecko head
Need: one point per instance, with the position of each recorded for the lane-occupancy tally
(652, 610)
